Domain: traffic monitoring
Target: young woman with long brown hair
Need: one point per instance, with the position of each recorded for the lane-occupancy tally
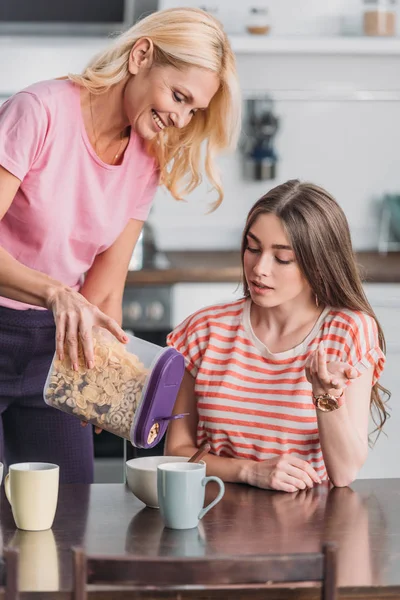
(280, 383)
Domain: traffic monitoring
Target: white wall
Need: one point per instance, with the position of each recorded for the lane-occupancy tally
(348, 145)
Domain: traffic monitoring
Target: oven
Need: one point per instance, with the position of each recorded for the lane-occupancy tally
(147, 313)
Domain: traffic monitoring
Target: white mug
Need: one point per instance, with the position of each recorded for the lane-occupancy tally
(32, 490)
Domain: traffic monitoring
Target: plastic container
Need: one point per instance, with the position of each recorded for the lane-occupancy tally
(380, 17)
(131, 390)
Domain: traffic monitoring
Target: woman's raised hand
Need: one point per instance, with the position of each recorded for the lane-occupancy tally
(328, 377)
(75, 317)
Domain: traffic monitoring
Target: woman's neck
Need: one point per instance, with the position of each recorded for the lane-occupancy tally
(105, 113)
(283, 327)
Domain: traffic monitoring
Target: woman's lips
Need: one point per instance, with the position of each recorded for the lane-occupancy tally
(259, 288)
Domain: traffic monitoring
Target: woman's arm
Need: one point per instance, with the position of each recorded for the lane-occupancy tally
(343, 432)
(73, 314)
(105, 281)
(286, 473)
(17, 281)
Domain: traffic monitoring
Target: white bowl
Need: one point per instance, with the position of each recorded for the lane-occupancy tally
(141, 476)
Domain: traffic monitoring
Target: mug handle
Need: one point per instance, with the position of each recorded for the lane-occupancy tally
(221, 492)
(7, 487)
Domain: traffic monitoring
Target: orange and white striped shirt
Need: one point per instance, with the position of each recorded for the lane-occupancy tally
(254, 404)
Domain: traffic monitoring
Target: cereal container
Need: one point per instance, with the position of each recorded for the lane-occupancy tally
(131, 390)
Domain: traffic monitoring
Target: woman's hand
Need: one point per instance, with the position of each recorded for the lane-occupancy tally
(75, 317)
(286, 473)
(328, 377)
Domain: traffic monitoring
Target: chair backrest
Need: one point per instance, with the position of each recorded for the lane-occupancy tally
(219, 572)
(9, 573)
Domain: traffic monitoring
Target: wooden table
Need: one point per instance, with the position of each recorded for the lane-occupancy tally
(107, 518)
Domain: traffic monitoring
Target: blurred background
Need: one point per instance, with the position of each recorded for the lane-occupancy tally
(321, 99)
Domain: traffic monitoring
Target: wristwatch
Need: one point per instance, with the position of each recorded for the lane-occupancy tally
(327, 402)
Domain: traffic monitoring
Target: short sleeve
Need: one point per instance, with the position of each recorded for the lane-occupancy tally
(362, 348)
(190, 338)
(23, 127)
(142, 208)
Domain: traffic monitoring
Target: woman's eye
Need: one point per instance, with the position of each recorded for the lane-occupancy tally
(253, 250)
(282, 262)
(177, 98)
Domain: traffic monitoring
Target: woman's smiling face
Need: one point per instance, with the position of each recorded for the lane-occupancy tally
(270, 266)
(157, 97)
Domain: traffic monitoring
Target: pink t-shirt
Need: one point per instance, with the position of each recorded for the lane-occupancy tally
(70, 206)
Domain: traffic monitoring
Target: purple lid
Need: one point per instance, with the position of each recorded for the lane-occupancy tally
(157, 404)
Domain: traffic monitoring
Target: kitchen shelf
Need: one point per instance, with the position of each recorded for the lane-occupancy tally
(254, 44)
(242, 44)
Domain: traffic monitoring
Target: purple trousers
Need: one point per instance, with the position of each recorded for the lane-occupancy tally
(29, 429)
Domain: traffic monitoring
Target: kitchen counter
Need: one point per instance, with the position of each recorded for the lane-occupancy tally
(224, 267)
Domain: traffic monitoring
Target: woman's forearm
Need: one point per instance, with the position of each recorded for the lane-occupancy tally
(110, 307)
(21, 283)
(343, 449)
(230, 470)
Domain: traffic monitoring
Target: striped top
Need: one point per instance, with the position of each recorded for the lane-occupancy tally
(254, 404)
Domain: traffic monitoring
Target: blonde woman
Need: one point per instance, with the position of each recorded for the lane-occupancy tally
(280, 383)
(80, 160)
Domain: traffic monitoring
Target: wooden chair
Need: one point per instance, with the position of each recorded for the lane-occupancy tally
(9, 573)
(159, 575)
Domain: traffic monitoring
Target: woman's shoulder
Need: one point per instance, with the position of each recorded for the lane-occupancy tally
(44, 95)
(346, 322)
(224, 314)
(49, 88)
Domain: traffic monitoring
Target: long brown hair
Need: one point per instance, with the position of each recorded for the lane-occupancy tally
(320, 237)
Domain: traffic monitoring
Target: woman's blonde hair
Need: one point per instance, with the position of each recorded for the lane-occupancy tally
(320, 237)
(182, 37)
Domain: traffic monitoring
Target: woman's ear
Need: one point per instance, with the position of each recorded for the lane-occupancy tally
(141, 55)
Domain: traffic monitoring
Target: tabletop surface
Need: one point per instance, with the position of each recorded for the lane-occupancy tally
(107, 519)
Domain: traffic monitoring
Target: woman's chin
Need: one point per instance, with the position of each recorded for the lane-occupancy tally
(263, 301)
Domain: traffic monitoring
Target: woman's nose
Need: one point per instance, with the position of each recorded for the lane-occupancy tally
(180, 119)
(263, 266)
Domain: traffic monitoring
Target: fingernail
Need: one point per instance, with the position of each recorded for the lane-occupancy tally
(125, 338)
(90, 364)
(75, 366)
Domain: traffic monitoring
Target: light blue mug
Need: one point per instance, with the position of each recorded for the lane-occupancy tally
(181, 491)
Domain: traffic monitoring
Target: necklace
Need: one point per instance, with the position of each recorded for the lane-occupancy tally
(96, 137)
